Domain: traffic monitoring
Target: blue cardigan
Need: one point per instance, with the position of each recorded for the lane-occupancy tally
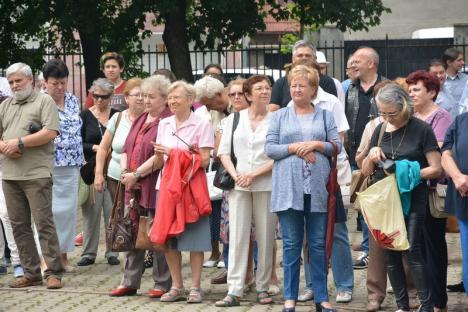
(287, 176)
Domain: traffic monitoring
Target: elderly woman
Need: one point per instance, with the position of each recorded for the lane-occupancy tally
(454, 161)
(175, 132)
(406, 138)
(249, 201)
(138, 175)
(68, 157)
(297, 141)
(95, 120)
(423, 89)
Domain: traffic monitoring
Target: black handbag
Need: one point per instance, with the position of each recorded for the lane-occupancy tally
(222, 178)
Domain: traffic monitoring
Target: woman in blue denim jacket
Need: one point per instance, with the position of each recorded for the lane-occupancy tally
(297, 142)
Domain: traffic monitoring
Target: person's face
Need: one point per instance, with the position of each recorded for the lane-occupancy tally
(457, 64)
(390, 112)
(420, 95)
(351, 72)
(216, 103)
(213, 71)
(56, 87)
(361, 63)
(19, 82)
(154, 101)
(112, 70)
(134, 99)
(301, 90)
(237, 98)
(323, 68)
(303, 53)
(439, 71)
(260, 94)
(101, 98)
(179, 102)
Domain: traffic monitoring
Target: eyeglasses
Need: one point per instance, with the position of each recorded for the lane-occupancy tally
(175, 98)
(235, 94)
(137, 95)
(101, 96)
(390, 114)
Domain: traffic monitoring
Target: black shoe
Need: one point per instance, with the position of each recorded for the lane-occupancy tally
(85, 261)
(113, 260)
(293, 309)
(456, 287)
(320, 308)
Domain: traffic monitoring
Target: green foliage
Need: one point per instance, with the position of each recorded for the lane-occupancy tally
(287, 43)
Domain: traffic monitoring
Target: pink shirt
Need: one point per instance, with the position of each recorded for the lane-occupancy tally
(195, 131)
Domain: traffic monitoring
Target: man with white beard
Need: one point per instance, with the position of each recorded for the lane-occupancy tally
(28, 125)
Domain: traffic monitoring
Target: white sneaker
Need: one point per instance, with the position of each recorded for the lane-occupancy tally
(221, 265)
(307, 295)
(210, 263)
(344, 297)
(401, 310)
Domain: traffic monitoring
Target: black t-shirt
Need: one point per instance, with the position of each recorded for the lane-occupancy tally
(91, 132)
(281, 96)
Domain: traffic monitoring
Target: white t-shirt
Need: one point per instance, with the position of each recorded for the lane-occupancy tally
(118, 142)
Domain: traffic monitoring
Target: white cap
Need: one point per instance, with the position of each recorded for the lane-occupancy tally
(321, 58)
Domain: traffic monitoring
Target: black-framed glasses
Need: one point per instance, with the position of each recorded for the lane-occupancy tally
(101, 96)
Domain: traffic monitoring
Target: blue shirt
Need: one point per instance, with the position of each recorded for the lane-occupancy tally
(447, 101)
(345, 85)
(68, 144)
(463, 104)
(455, 85)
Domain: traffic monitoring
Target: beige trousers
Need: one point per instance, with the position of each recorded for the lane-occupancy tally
(245, 207)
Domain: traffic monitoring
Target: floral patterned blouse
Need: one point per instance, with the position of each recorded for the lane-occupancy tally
(68, 144)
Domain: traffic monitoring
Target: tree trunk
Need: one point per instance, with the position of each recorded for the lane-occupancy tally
(175, 39)
(91, 47)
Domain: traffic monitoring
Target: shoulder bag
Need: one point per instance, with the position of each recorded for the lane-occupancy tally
(222, 178)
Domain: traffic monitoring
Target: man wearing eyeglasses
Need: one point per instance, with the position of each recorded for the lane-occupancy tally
(28, 164)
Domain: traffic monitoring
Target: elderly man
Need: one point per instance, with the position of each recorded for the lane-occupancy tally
(302, 51)
(28, 125)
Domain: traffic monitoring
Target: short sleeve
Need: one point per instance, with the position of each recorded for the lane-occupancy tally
(441, 123)
(111, 124)
(449, 139)
(429, 141)
(49, 114)
(367, 135)
(206, 138)
(224, 147)
(161, 132)
(375, 136)
(339, 115)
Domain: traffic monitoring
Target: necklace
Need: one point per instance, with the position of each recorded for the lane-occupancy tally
(394, 152)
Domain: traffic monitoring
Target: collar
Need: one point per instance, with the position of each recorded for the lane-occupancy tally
(192, 120)
(31, 98)
(457, 76)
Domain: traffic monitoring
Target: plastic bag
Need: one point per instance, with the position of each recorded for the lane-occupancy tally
(381, 207)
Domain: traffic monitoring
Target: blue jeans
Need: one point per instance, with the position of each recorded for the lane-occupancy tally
(341, 261)
(365, 235)
(463, 224)
(292, 227)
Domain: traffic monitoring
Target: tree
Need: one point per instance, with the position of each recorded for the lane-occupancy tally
(119, 25)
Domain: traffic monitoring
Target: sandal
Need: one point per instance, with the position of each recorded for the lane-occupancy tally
(174, 294)
(274, 290)
(249, 286)
(194, 296)
(264, 298)
(228, 301)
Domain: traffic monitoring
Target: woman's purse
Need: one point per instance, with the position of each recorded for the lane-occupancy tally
(437, 196)
(121, 234)
(222, 179)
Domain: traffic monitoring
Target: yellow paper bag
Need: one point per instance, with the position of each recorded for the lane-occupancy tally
(381, 207)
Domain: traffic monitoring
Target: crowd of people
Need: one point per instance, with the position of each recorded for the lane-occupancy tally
(137, 142)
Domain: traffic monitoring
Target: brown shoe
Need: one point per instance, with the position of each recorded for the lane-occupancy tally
(53, 283)
(25, 282)
(373, 305)
(220, 278)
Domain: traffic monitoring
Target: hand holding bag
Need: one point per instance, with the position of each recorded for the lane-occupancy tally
(222, 178)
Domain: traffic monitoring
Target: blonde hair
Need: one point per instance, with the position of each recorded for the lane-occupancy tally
(132, 83)
(311, 74)
(402, 82)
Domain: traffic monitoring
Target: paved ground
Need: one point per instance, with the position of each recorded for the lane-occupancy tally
(87, 290)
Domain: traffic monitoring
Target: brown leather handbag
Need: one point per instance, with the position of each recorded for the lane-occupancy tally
(122, 231)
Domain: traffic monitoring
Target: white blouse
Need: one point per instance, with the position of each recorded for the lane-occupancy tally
(248, 148)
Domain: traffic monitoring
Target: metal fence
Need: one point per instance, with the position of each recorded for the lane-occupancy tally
(397, 58)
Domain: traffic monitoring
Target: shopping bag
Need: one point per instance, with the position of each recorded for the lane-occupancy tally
(381, 207)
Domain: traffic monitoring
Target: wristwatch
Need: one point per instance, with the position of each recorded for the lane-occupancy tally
(137, 174)
(20, 144)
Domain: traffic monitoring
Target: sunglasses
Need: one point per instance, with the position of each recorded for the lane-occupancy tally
(101, 96)
(234, 94)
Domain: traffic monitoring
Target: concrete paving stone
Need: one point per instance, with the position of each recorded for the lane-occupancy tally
(87, 290)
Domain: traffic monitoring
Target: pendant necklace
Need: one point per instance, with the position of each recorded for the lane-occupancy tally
(394, 152)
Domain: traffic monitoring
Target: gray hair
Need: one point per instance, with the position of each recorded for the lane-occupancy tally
(187, 87)
(156, 82)
(103, 84)
(393, 94)
(208, 87)
(23, 68)
(301, 44)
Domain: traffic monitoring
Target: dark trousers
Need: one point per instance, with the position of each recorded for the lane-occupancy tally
(435, 247)
(414, 227)
(23, 199)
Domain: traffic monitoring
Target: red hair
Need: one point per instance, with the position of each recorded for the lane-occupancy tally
(430, 81)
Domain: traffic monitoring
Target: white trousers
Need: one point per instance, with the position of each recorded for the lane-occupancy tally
(245, 207)
(10, 240)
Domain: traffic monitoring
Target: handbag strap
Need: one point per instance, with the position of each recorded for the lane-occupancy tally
(234, 127)
(381, 133)
(116, 198)
(335, 147)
